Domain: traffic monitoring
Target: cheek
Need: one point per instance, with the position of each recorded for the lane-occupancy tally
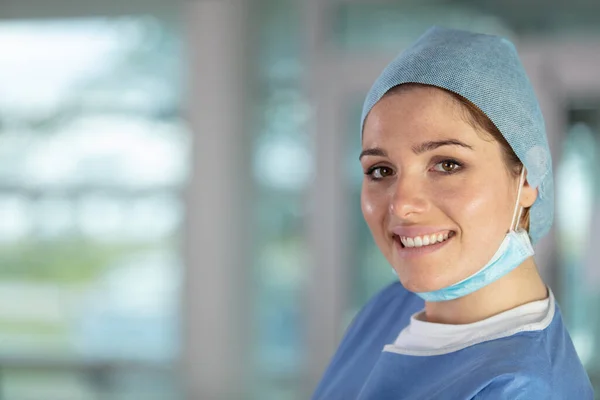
(490, 201)
(481, 210)
(373, 205)
(458, 200)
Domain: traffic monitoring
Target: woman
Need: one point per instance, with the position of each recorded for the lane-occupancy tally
(458, 184)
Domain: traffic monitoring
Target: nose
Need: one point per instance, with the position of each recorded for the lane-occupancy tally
(408, 198)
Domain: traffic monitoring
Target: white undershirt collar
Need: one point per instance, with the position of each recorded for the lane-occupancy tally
(428, 338)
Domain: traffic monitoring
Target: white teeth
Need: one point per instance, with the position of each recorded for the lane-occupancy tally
(420, 241)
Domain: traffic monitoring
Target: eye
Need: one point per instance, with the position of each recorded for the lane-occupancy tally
(447, 166)
(377, 173)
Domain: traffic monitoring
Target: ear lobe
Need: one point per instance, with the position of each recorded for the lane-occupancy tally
(528, 195)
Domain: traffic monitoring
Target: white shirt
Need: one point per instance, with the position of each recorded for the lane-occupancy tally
(428, 338)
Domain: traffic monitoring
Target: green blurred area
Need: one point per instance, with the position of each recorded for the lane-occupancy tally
(67, 261)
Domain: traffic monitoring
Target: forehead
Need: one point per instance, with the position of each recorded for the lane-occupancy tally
(417, 114)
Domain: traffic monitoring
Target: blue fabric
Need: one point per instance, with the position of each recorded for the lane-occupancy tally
(528, 365)
(487, 71)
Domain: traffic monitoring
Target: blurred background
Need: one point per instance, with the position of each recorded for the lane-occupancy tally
(179, 186)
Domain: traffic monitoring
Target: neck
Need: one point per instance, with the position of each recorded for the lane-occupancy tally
(520, 286)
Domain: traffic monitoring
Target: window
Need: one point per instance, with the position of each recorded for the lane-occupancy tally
(93, 156)
(577, 213)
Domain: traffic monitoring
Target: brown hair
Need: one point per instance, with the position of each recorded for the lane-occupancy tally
(480, 121)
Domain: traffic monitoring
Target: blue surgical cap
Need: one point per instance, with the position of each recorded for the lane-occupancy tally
(485, 70)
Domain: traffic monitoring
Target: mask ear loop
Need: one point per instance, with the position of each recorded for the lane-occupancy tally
(514, 224)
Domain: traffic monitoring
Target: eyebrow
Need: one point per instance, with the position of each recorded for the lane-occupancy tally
(418, 149)
(375, 151)
(428, 146)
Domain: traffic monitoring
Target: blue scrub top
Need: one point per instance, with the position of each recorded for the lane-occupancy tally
(527, 365)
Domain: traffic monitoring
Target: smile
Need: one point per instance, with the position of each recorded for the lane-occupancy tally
(425, 240)
(416, 246)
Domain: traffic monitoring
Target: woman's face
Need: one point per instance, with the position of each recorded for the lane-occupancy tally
(437, 194)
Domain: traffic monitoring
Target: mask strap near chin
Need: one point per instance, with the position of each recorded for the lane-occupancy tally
(514, 224)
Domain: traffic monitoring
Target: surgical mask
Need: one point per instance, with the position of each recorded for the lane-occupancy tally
(514, 249)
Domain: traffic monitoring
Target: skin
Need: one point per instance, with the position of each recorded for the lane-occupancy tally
(465, 188)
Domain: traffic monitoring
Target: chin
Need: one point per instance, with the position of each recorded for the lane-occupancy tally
(419, 283)
(415, 285)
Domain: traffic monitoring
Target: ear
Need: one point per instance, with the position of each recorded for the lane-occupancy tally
(528, 195)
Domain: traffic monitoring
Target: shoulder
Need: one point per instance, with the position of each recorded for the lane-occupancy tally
(536, 364)
(519, 387)
(393, 295)
(518, 368)
(392, 299)
(382, 318)
(530, 384)
(375, 325)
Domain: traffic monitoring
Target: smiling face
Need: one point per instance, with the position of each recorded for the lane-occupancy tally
(437, 194)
